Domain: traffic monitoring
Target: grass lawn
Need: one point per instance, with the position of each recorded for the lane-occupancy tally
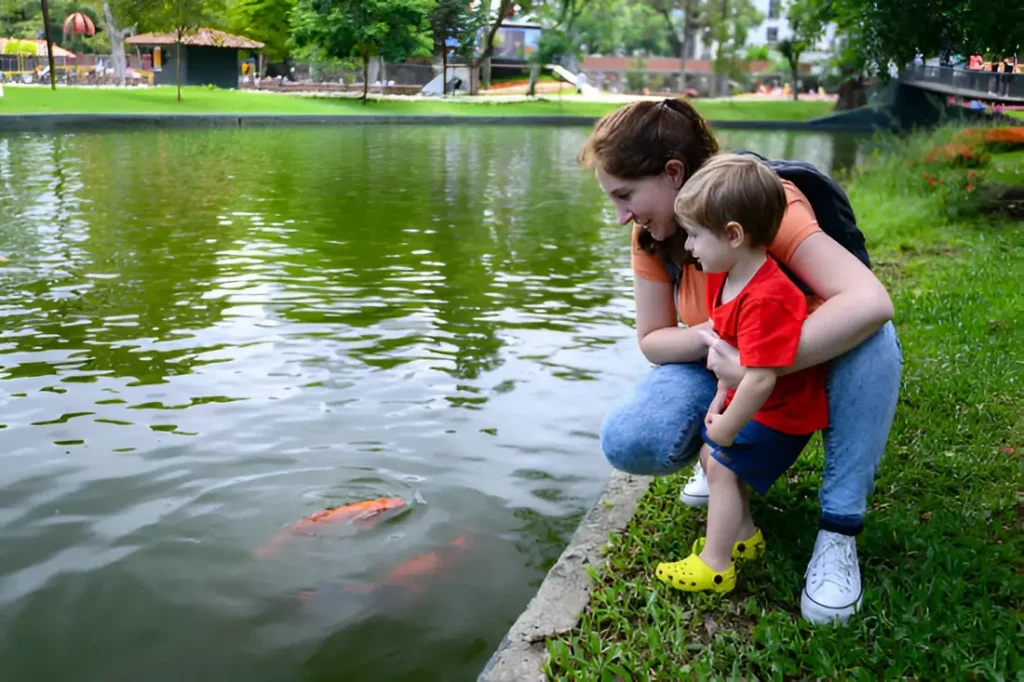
(1016, 114)
(196, 100)
(941, 553)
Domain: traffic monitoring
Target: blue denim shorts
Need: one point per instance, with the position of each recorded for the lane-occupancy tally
(759, 455)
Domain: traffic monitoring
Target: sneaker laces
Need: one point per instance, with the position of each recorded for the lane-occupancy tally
(697, 475)
(834, 563)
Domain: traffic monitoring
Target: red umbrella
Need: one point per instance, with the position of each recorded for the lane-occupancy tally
(79, 24)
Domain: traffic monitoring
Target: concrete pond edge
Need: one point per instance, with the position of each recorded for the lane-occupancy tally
(565, 591)
(86, 122)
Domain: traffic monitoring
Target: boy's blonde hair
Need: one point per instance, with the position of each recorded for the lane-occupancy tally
(733, 188)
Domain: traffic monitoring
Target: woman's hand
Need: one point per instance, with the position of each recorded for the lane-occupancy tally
(723, 360)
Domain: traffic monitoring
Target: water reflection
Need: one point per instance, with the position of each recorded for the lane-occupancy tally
(210, 334)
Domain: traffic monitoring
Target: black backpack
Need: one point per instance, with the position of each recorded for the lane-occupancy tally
(828, 201)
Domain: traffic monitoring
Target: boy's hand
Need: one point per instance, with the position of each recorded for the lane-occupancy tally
(718, 403)
(718, 430)
(723, 360)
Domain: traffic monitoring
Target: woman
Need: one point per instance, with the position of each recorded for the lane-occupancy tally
(642, 154)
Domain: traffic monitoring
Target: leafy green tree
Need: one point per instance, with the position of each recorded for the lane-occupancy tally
(181, 17)
(268, 21)
(727, 25)
(806, 22)
(453, 26)
(895, 32)
(393, 29)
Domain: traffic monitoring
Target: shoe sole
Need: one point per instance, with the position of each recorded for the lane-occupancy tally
(693, 500)
(820, 614)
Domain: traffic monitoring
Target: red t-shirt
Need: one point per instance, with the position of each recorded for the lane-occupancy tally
(764, 322)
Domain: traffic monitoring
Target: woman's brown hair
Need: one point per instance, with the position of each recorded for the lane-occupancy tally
(637, 140)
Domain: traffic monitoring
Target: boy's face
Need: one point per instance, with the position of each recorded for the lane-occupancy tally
(716, 253)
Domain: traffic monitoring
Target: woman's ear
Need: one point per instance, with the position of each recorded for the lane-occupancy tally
(735, 234)
(675, 172)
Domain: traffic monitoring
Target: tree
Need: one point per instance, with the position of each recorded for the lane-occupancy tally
(117, 34)
(505, 8)
(268, 21)
(453, 27)
(805, 21)
(727, 25)
(49, 44)
(393, 29)
(181, 17)
(620, 27)
(896, 32)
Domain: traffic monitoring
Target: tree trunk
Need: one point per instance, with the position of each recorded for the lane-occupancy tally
(366, 75)
(444, 71)
(684, 42)
(795, 67)
(534, 73)
(503, 8)
(720, 58)
(852, 94)
(116, 44)
(177, 63)
(485, 74)
(49, 44)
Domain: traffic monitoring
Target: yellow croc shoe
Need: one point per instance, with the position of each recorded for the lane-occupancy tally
(751, 548)
(693, 575)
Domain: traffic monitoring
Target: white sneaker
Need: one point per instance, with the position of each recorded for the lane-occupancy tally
(833, 590)
(695, 492)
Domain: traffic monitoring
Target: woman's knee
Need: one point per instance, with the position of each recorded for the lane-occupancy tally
(657, 430)
(629, 445)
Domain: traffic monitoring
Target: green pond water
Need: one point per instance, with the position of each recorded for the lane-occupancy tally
(207, 335)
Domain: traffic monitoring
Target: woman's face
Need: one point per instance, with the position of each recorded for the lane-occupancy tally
(646, 201)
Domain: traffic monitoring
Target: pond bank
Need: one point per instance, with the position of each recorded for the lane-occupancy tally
(74, 122)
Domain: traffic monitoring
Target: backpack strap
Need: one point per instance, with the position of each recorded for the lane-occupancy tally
(675, 274)
(830, 204)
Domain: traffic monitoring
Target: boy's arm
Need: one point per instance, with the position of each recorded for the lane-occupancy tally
(757, 384)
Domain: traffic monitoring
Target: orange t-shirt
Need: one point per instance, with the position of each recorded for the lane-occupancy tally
(798, 223)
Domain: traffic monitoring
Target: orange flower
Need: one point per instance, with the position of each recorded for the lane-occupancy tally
(931, 181)
(970, 187)
(971, 175)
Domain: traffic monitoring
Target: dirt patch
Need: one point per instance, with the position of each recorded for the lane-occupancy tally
(929, 250)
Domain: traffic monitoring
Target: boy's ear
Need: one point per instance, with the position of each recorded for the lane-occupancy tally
(735, 234)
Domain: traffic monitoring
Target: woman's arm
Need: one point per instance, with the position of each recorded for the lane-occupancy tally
(856, 306)
(661, 339)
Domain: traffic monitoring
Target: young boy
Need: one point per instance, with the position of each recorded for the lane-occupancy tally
(731, 209)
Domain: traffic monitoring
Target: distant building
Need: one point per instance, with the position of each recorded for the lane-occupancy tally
(773, 29)
(515, 41)
(208, 57)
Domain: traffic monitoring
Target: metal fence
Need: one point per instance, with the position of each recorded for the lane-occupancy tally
(981, 84)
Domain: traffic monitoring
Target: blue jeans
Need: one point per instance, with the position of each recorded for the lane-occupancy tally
(656, 431)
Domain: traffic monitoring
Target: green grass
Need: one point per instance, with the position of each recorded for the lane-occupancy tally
(197, 100)
(1016, 114)
(941, 553)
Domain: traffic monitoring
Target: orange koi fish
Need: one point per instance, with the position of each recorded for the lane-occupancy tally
(412, 576)
(357, 512)
(413, 572)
